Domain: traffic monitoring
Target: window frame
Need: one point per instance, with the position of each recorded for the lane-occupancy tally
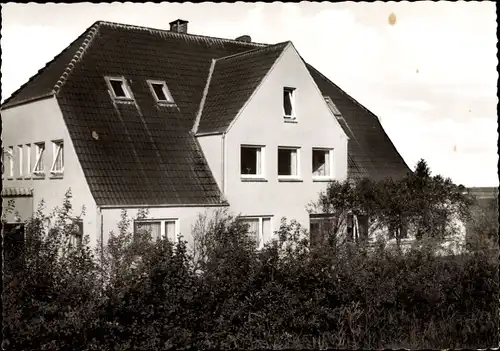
(126, 89)
(162, 221)
(292, 176)
(168, 95)
(20, 151)
(38, 158)
(28, 161)
(330, 160)
(57, 146)
(10, 155)
(260, 218)
(262, 152)
(293, 115)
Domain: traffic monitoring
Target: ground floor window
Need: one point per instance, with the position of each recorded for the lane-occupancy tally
(321, 226)
(260, 228)
(159, 228)
(77, 233)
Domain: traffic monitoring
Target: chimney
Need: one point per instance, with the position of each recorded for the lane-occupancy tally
(244, 38)
(179, 26)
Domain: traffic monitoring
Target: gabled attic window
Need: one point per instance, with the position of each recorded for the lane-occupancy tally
(160, 91)
(118, 88)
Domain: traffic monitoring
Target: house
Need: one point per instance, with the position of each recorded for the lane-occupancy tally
(131, 118)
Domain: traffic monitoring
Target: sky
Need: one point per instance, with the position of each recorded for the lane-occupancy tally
(428, 70)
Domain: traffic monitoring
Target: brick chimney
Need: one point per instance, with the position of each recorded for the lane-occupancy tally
(244, 38)
(179, 26)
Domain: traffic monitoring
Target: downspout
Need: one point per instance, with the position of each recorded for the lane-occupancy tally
(223, 164)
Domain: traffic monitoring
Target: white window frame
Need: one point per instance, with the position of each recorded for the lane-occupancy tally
(28, 160)
(10, 155)
(125, 87)
(162, 222)
(166, 91)
(57, 146)
(262, 154)
(20, 160)
(39, 157)
(330, 160)
(293, 176)
(261, 227)
(293, 116)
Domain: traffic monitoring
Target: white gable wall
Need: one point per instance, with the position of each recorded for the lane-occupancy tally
(261, 122)
(42, 121)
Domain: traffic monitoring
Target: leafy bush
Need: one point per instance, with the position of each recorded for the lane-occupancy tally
(222, 293)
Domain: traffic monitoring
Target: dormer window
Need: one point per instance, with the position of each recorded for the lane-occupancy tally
(289, 103)
(118, 88)
(160, 91)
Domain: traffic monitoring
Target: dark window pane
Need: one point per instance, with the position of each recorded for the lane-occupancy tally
(284, 162)
(287, 102)
(158, 89)
(118, 88)
(318, 162)
(248, 160)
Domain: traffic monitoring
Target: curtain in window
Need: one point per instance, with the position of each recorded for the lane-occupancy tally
(266, 229)
(170, 230)
(151, 227)
(58, 164)
(293, 165)
(39, 158)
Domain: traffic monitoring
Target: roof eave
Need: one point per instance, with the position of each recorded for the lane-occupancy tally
(9, 105)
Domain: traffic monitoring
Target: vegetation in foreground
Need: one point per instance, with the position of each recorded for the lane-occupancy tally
(137, 294)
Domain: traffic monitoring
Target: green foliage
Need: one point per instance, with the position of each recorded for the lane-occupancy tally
(137, 294)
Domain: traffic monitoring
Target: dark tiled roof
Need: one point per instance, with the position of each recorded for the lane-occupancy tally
(232, 82)
(369, 148)
(145, 153)
(15, 192)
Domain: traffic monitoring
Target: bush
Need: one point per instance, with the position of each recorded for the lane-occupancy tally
(144, 295)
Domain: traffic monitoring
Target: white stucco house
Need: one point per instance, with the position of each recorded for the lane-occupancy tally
(131, 118)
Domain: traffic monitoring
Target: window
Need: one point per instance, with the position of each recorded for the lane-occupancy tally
(322, 163)
(288, 162)
(160, 91)
(321, 227)
(58, 163)
(260, 228)
(159, 228)
(289, 103)
(118, 87)
(77, 233)
(10, 154)
(39, 168)
(20, 160)
(28, 160)
(251, 161)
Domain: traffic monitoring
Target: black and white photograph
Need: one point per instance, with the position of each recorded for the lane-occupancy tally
(249, 175)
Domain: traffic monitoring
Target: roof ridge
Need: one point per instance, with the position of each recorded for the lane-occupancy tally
(204, 96)
(91, 33)
(175, 34)
(248, 52)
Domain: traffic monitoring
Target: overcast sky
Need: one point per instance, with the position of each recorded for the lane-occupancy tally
(431, 77)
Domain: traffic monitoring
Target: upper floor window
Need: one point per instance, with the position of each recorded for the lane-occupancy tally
(160, 91)
(259, 228)
(322, 163)
(118, 87)
(20, 160)
(158, 228)
(252, 161)
(10, 154)
(28, 159)
(289, 103)
(39, 168)
(288, 162)
(58, 163)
